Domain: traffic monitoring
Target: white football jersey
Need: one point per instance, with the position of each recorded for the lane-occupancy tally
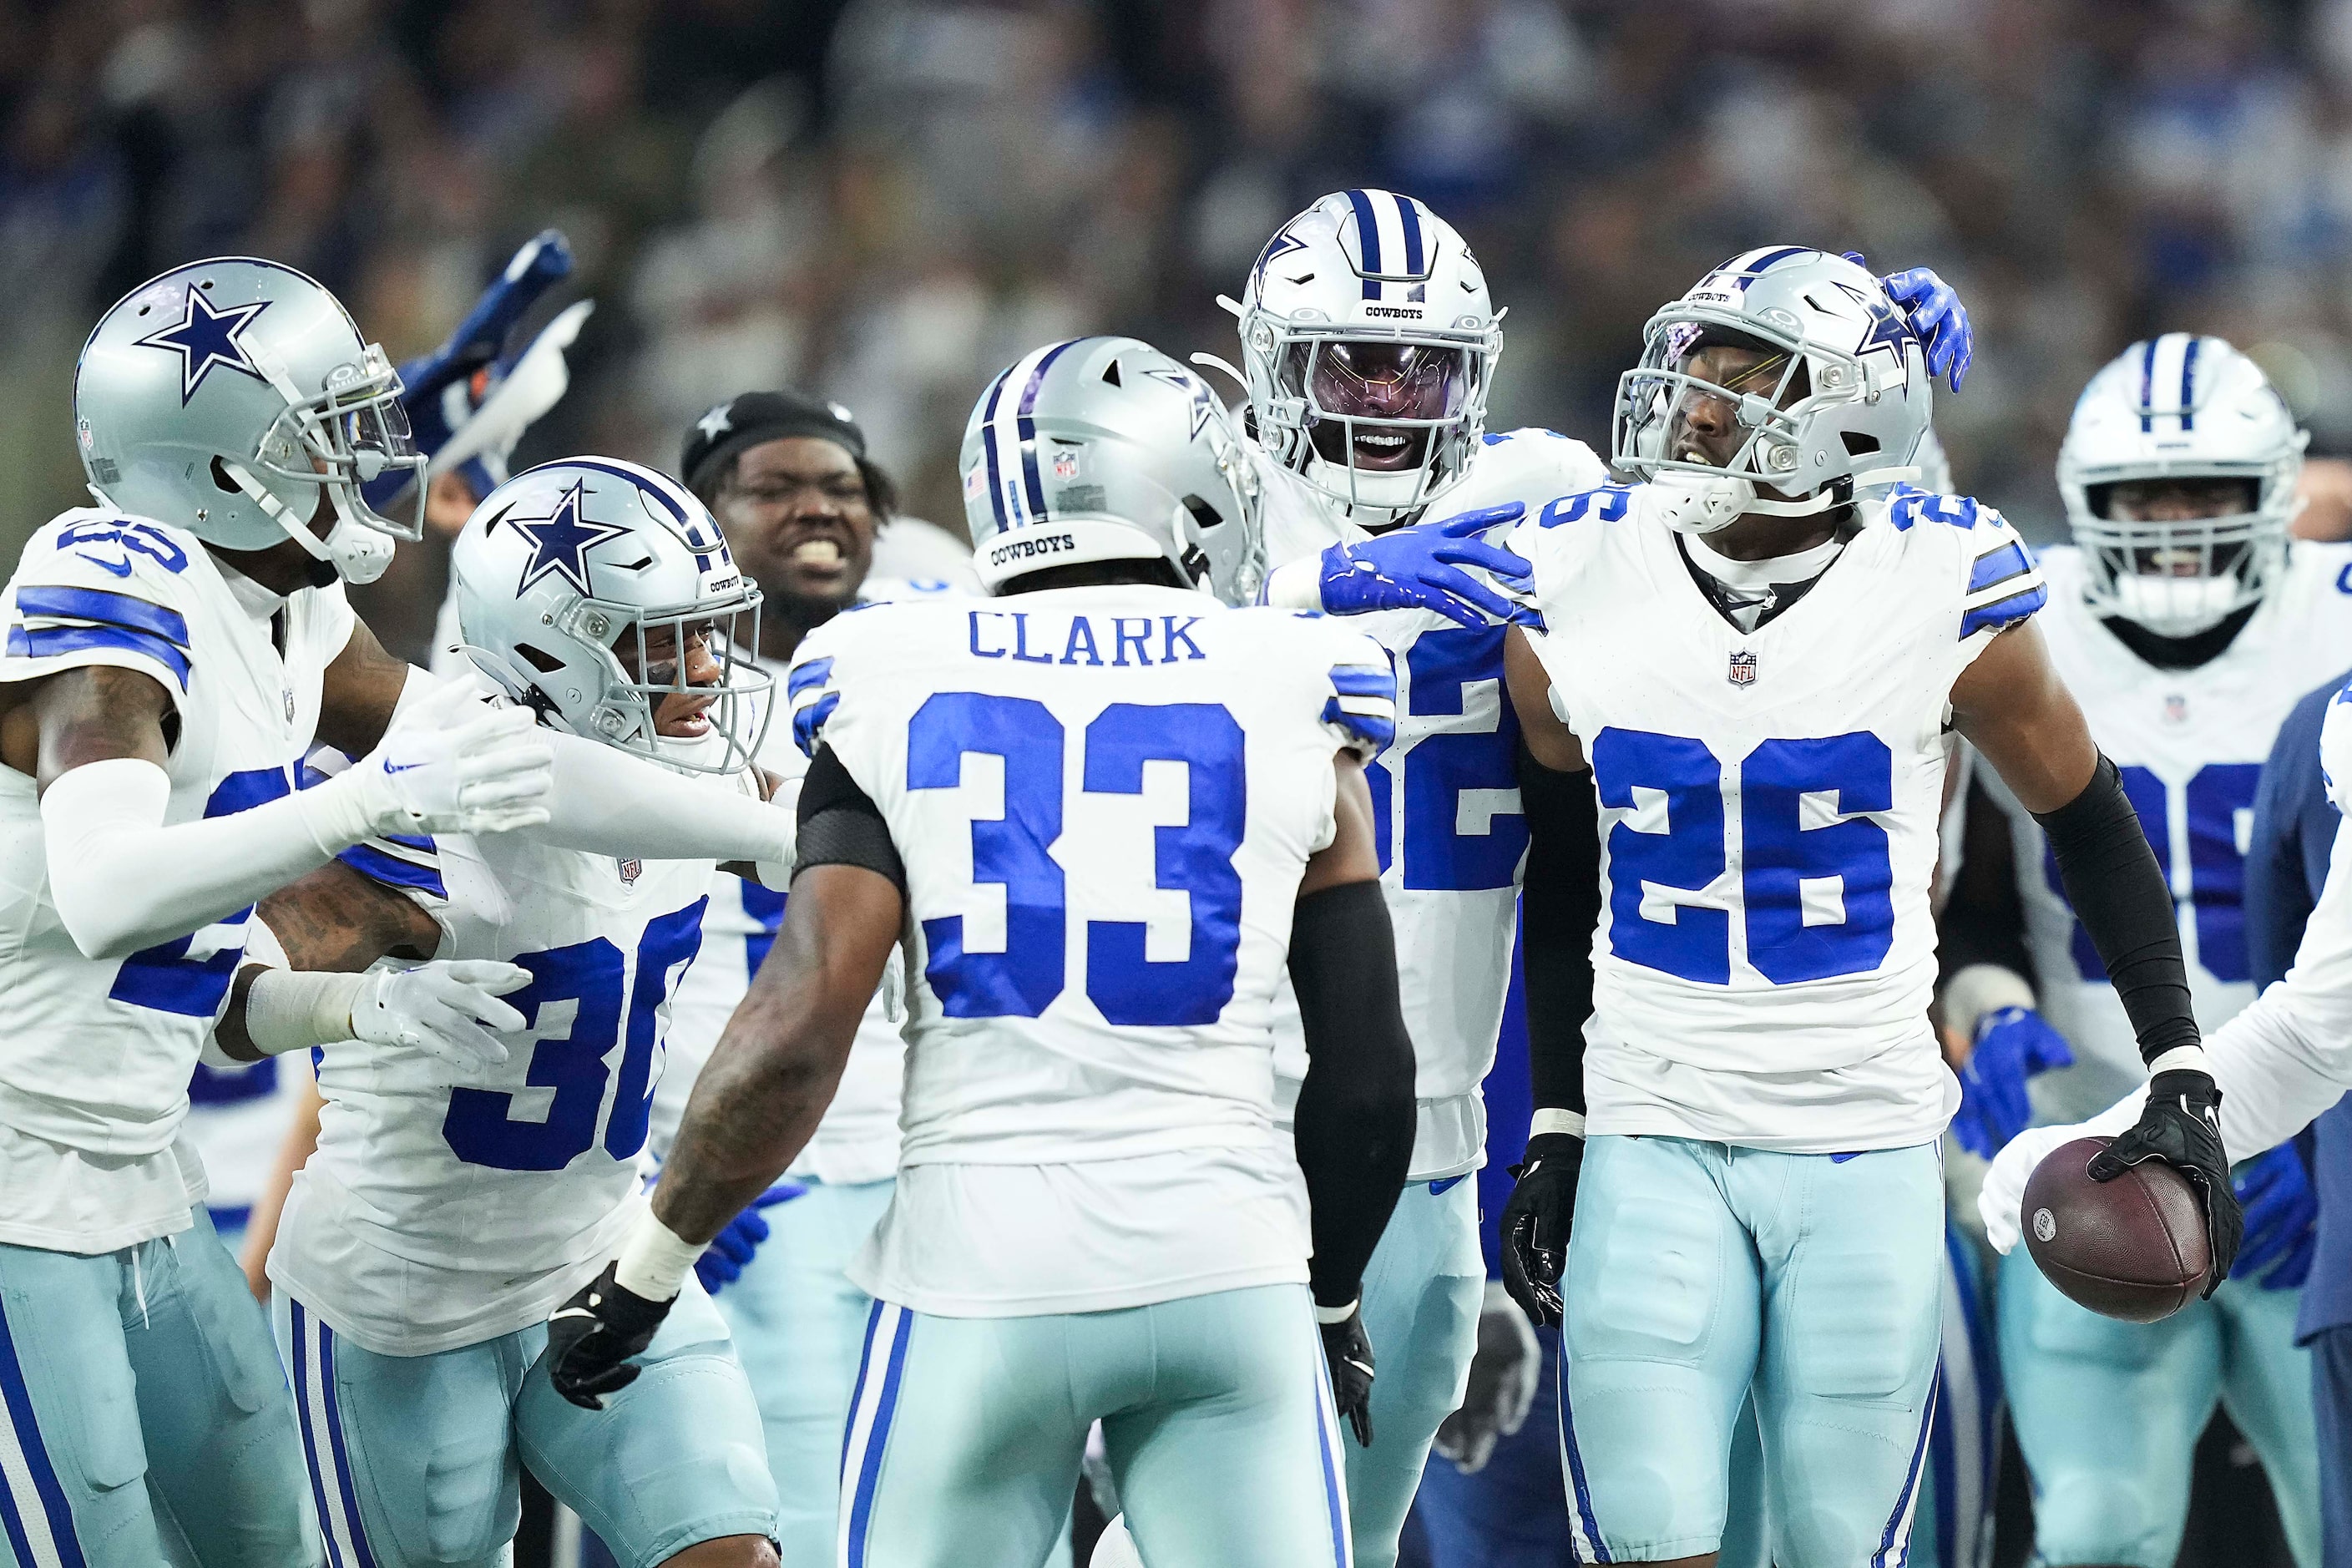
(1445, 798)
(440, 1211)
(2190, 744)
(1768, 811)
(858, 1139)
(1105, 799)
(100, 1053)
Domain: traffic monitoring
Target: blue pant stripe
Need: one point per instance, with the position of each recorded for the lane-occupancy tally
(342, 1458)
(1943, 1453)
(1894, 1544)
(301, 1370)
(1591, 1526)
(1341, 1543)
(17, 1400)
(858, 1394)
(870, 1476)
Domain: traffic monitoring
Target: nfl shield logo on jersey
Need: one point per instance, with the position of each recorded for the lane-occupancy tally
(1743, 667)
(630, 871)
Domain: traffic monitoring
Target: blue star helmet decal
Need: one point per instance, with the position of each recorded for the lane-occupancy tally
(1282, 244)
(1890, 329)
(560, 544)
(204, 337)
(1192, 386)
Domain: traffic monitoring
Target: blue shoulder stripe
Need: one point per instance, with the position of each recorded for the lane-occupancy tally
(1362, 680)
(1998, 566)
(61, 602)
(392, 871)
(1373, 731)
(808, 725)
(816, 672)
(56, 642)
(2003, 611)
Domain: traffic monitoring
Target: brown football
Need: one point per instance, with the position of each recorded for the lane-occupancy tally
(2134, 1247)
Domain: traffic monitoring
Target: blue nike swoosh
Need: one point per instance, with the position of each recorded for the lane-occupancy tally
(1436, 1187)
(403, 768)
(1842, 1159)
(121, 571)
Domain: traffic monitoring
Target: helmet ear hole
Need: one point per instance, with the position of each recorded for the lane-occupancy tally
(221, 480)
(544, 662)
(1203, 514)
(1857, 444)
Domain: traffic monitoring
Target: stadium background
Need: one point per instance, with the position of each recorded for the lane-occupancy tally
(886, 200)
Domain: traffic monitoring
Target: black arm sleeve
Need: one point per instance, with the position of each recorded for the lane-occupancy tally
(839, 824)
(1354, 1116)
(1558, 910)
(2111, 878)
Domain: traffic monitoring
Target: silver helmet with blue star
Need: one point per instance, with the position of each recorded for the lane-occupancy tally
(1782, 381)
(237, 398)
(601, 594)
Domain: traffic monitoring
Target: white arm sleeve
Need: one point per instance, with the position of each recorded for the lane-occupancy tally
(122, 881)
(605, 801)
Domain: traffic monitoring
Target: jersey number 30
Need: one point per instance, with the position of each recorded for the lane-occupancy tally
(1815, 878)
(1194, 857)
(579, 987)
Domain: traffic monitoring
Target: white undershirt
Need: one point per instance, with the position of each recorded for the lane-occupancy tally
(1749, 584)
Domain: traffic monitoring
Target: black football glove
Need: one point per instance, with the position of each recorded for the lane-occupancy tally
(2181, 1126)
(1349, 1352)
(592, 1336)
(1536, 1221)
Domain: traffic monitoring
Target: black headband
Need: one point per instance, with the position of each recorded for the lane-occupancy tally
(760, 416)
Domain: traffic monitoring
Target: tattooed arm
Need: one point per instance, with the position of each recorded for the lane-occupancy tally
(332, 919)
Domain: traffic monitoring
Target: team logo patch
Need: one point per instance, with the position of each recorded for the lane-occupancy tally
(204, 337)
(2176, 708)
(560, 544)
(1065, 465)
(631, 870)
(2045, 1225)
(1743, 667)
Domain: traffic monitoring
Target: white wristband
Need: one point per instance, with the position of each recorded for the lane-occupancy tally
(1552, 1118)
(654, 1260)
(294, 1009)
(1296, 586)
(2181, 1058)
(1327, 1316)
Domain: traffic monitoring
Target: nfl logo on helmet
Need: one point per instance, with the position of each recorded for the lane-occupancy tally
(1743, 667)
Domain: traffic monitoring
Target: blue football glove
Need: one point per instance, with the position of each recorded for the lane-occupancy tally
(1936, 315)
(2282, 1219)
(730, 1252)
(2012, 1045)
(1420, 568)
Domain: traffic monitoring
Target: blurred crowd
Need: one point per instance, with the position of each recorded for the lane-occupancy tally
(886, 200)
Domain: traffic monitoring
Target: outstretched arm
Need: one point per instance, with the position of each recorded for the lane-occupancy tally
(2011, 705)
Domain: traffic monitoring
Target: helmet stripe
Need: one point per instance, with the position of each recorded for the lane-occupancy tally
(2146, 384)
(2188, 384)
(1368, 236)
(1026, 428)
(988, 445)
(1408, 210)
(1772, 258)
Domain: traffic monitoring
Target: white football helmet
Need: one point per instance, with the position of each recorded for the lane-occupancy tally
(1369, 346)
(226, 395)
(2179, 406)
(1106, 449)
(568, 567)
(1845, 406)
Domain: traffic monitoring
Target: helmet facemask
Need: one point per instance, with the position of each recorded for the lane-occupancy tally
(2177, 577)
(351, 441)
(649, 658)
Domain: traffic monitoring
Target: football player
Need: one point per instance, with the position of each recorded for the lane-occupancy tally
(1102, 813)
(800, 502)
(2187, 628)
(1756, 661)
(171, 654)
(1369, 344)
(450, 1207)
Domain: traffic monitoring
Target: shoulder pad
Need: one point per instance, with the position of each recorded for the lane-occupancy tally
(98, 588)
(1359, 709)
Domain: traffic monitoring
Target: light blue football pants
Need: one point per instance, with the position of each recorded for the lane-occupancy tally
(140, 1403)
(1702, 1272)
(416, 1461)
(799, 1325)
(1422, 1291)
(966, 1435)
(2108, 1414)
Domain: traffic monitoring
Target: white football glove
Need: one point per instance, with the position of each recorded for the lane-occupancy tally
(1505, 1376)
(455, 765)
(2001, 1200)
(446, 1008)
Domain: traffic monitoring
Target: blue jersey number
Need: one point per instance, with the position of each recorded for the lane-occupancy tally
(579, 989)
(1816, 899)
(2218, 799)
(1438, 769)
(1013, 851)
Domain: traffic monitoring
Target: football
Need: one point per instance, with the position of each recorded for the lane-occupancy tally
(2134, 1249)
